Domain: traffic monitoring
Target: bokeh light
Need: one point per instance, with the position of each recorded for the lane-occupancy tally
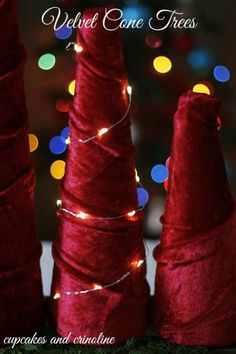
(152, 40)
(64, 32)
(159, 173)
(136, 12)
(130, 13)
(209, 85)
(33, 142)
(143, 196)
(47, 61)
(200, 58)
(201, 88)
(57, 145)
(183, 42)
(65, 133)
(221, 73)
(62, 105)
(71, 88)
(162, 64)
(57, 169)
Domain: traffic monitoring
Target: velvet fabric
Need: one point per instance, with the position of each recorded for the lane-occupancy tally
(195, 301)
(100, 181)
(20, 278)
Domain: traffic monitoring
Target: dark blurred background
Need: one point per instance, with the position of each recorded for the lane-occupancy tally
(193, 53)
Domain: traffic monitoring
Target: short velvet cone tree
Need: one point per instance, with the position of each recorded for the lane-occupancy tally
(20, 279)
(195, 302)
(92, 253)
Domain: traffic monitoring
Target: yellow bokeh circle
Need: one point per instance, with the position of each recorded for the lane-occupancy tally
(33, 142)
(201, 88)
(71, 88)
(162, 64)
(57, 169)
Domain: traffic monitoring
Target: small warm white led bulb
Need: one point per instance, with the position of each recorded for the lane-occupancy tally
(97, 287)
(82, 215)
(129, 90)
(102, 131)
(137, 176)
(67, 141)
(139, 263)
(131, 213)
(78, 48)
(59, 203)
(56, 296)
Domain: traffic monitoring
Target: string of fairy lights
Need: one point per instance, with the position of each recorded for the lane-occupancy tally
(82, 215)
(105, 130)
(134, 266)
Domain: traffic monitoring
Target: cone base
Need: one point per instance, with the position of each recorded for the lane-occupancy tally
(195, 302)
(21, 310)
(114, 313)
(190, 339)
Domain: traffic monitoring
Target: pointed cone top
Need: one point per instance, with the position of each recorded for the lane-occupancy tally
(102, 41)
(198, 197)
(100, 102)
(100, 75)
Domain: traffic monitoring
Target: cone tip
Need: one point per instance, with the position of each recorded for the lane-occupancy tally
(199, 98)
(206, 105)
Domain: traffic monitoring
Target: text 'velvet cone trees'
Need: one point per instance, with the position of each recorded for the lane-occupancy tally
(89, 252)
(195, 300)
(20, 278)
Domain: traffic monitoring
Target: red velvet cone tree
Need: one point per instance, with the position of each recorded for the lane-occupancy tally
(20, 278)
(92, 253)
(195, 302)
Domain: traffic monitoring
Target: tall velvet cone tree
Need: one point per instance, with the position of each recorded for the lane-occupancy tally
(195, 302)
(20, 278)
(92, 253)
